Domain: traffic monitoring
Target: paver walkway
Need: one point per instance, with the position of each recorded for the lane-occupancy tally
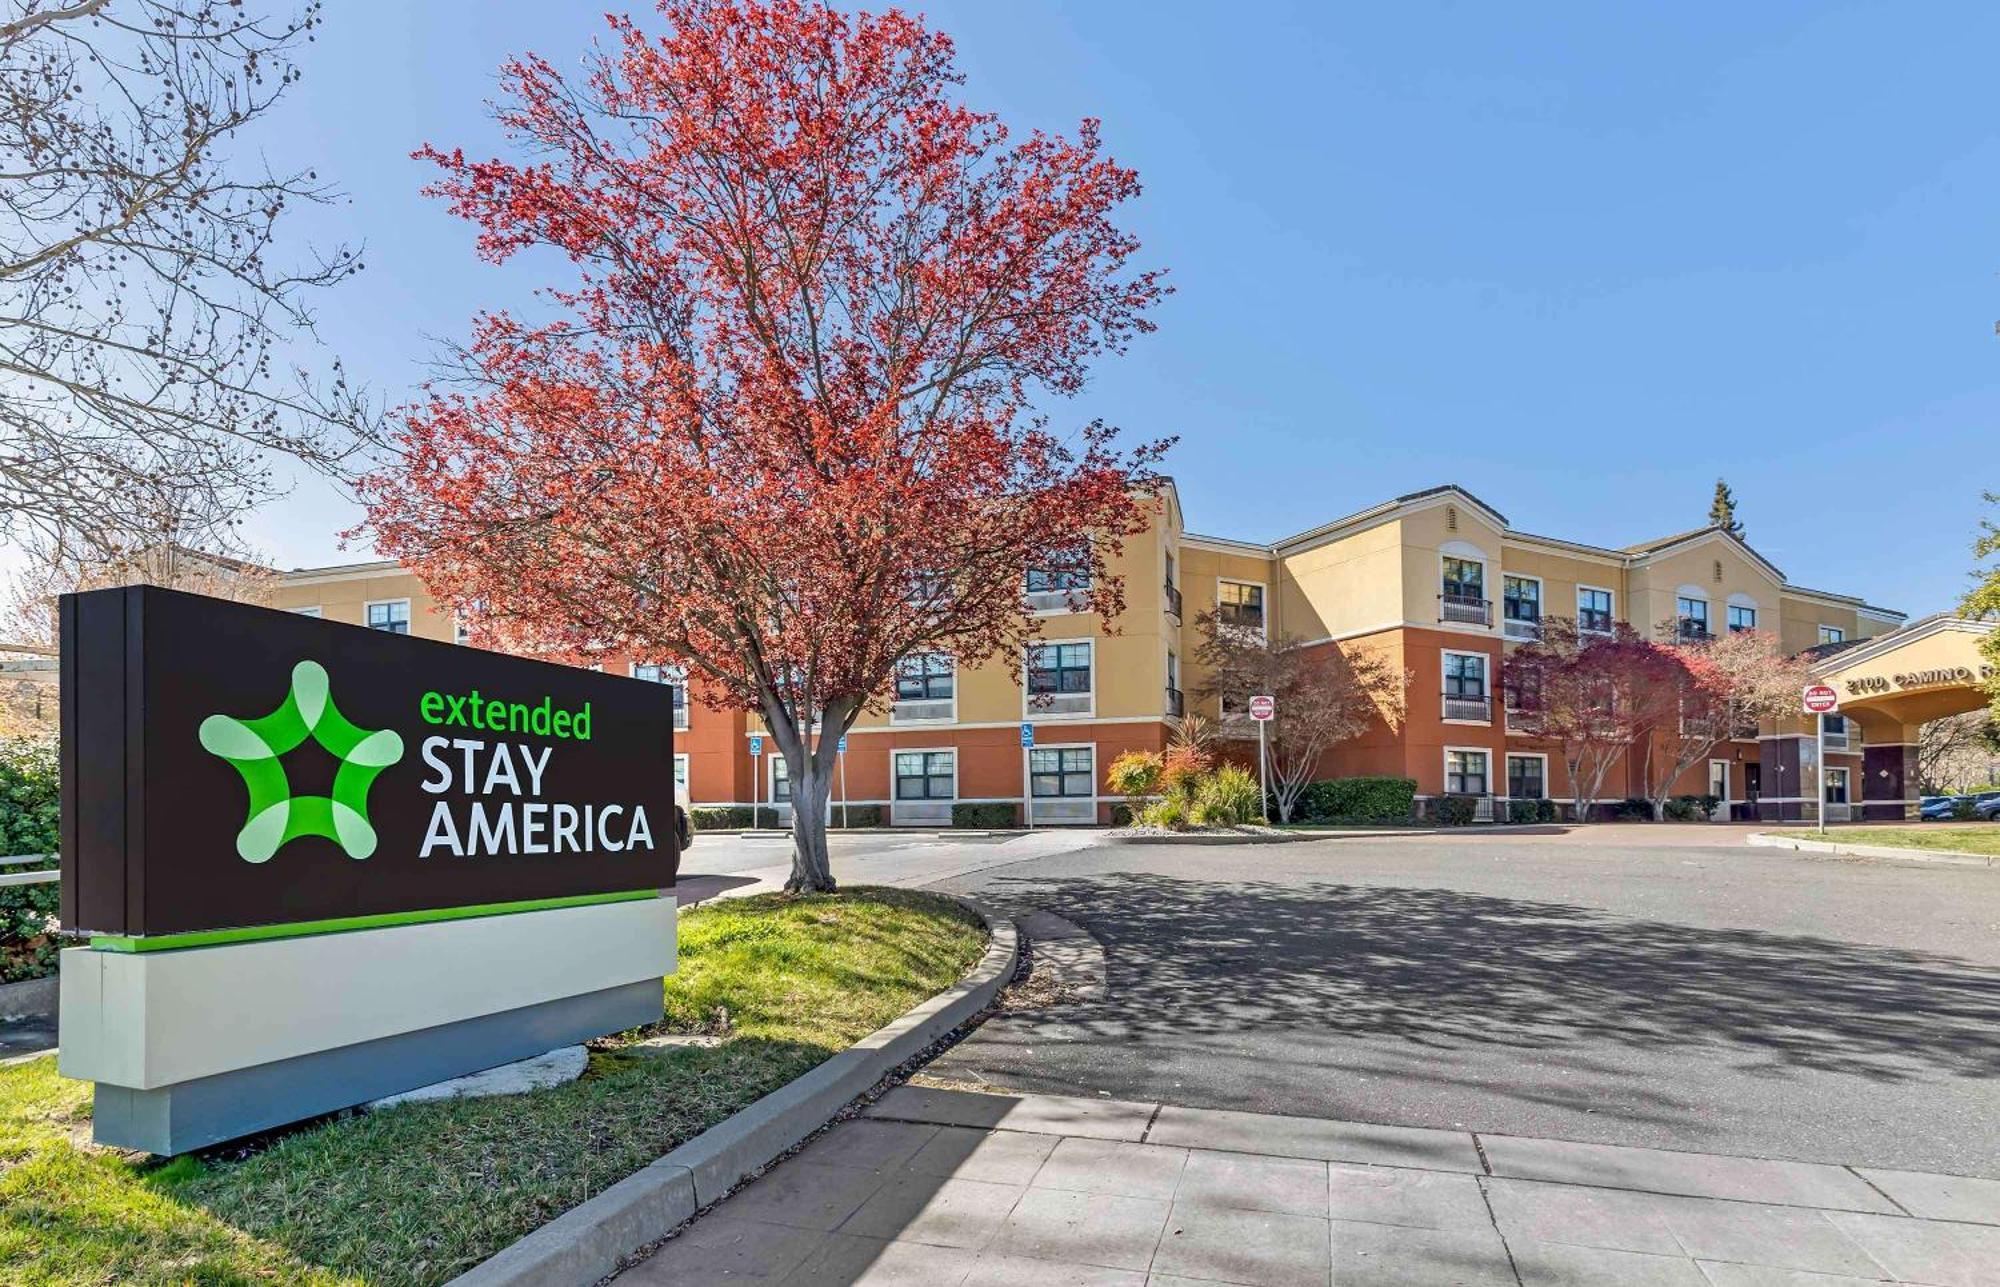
(935, 1188)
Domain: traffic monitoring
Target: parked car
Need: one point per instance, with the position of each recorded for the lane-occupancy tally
(1986, 805)
(1937, 808)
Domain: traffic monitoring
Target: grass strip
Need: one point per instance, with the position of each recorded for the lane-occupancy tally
(419, 1193)
(1977, 839)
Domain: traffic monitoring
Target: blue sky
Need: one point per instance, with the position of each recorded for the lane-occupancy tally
(1580, 258)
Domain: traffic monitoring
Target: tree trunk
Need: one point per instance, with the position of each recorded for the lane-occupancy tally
(812, 868)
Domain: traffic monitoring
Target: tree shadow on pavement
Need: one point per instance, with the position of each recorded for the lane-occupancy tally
(1444, 969)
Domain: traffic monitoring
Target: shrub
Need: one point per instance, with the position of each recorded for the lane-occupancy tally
(985, 816)
(858, 815)
(29, 796)
(1122, 815)
(1456, 810)
(1170, 812)
(731, 818)
(1681, 808)
(1630, 809)
(1226, 798)
(1182, 769)
(1519, 811)
(1135, 774)
(1965, 810)
(1546, 811)
(1364, 799)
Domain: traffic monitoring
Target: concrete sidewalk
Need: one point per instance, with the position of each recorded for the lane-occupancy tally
(947, 1189)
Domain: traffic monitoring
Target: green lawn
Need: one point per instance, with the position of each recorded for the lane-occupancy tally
(420, 1193)
(1978, 838)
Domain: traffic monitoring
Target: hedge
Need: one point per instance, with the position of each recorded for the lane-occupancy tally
(858, 815)
(29, 799)
(730, 818)
(985, 816)
(1456, 810)
(1367, 799)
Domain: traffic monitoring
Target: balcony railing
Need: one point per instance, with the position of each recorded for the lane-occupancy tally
(1465, 609)
(1687, 630)
(1173, 601)
(1176, 703)
(1524, 627)
(1471, 706)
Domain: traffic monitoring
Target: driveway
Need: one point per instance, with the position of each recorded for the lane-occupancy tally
(1650, 986)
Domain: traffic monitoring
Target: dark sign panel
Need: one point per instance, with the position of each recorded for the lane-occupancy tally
(227, 766)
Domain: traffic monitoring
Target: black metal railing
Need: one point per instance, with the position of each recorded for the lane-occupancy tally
(1173, 601)
(1176, 703)
(1688, 630)
(1465, 609)
(1477, 706)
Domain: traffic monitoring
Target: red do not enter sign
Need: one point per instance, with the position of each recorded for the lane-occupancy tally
(1819, 699)
(1263, 708)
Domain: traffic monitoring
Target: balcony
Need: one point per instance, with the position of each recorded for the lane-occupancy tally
(1524, 627)
(1176, 703)
(1173, 601)
(1465, 609)
(1688, 630)
(1477, 707)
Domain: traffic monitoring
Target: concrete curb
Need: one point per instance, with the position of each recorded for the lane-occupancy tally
(1949, 857)
(1119, 837)
(29, 999)
(587, 1242)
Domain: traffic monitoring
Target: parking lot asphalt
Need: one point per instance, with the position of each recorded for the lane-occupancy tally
(1652, 986)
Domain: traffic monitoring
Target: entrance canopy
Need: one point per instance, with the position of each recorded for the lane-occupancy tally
(1929, 669)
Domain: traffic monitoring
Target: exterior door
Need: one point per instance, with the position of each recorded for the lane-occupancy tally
(1718, 785)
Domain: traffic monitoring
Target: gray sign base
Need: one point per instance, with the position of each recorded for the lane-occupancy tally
(209, 1110)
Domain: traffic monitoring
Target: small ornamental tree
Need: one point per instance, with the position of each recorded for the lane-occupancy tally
(1593, 694)
(776, 424)
(1719, 685)
(1983, 603)
(1324, 695)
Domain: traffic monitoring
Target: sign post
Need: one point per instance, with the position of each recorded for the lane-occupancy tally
(1027, 777)
(307, 855)
(756, 776)
(1262, 708)
(840, 750)
(1819, 700)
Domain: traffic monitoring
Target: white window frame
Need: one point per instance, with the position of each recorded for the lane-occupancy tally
(1508, 781)
(1728, 782)
(1066, 605)
(409, 617)
(1028, 796)
(682, 770)
(1444, 759)
(310, 610)
(895, 751)
(1485, 683)
(1839, 634)
(1541, 603)
(773, 762)
(1609, 594)
(1029, 712)
(1694, 594)
(1846, 785)
(952, 716)
(1264, 588)
(675, 677)
(1467, 552)
(1730, 610)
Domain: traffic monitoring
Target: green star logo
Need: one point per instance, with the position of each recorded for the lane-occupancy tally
(255, 747)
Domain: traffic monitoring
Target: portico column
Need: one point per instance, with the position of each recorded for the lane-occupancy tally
(1890, 782)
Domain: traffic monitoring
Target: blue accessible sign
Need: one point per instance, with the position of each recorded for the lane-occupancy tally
(1027, 735)
(756, 747)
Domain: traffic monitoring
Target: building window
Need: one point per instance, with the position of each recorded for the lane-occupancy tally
(1832, 634)
(1464, 578)
(1741, 619)
(392, 615)
(925, 677)
(1046, 580)
(1465, 772)
(1240, 604)
(925, 775)
(1691, 617)
(1521, 606)
(1593, 610)
(1062, 772)
(1836, 786)
(1059, 669)
(1465, 686)
(1527, 777)
(681, 769)
(654, 673)
(781, 780)
(312, 610)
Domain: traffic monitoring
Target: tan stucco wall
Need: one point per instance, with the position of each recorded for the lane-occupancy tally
(1352, 584)
(1655, 585)
(344, 598)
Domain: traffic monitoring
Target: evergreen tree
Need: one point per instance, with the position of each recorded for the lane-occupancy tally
(1722, 510)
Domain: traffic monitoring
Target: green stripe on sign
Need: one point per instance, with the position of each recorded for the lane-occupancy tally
(299, 929)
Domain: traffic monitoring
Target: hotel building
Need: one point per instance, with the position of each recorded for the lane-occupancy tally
(1438, 581)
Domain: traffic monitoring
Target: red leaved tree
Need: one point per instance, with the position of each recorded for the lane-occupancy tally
(1324, 694)
(1593, 694)
(1719, 686)
(778, 425)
